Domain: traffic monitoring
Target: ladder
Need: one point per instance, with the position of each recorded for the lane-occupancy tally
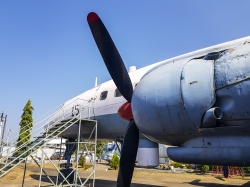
(42, 133)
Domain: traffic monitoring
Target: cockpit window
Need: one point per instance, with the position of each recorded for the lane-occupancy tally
(117, 93)
(103, 95)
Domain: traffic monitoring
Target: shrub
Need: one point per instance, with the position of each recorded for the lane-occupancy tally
(199, 167)
(180, 165)
(99, 147)
(205, 168)
(176, 164)
(114, 162)
(82, 161)
(188, 166)
(246, 169)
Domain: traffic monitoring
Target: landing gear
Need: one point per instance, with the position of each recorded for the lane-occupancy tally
(121, 142)
(66, 174)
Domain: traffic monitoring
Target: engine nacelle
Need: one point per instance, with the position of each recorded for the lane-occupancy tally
(177, 99)
(227, 151)
(172, 99)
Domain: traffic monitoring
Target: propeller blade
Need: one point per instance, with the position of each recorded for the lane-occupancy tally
(111, 56)
(128, 155)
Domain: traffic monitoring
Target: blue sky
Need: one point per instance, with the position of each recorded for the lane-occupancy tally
(48, 55)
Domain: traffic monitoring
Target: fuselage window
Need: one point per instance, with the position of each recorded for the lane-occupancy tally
(117, 93)
(103, 95)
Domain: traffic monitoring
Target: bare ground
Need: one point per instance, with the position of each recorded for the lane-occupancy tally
(141, 178)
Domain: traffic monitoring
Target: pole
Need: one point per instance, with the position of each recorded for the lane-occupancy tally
(2, 129)
(7, 138)
(4, 125)
(1, 124)
(24, 172)
(8, 146)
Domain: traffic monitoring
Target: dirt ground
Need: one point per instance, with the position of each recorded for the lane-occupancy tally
(107, 178)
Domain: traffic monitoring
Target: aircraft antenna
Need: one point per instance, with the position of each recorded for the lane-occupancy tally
(96, 82)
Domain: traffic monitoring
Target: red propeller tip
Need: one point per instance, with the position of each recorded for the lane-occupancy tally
(92, 16)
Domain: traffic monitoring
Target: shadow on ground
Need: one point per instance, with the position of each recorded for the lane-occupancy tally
(198, 183)
(98, 182)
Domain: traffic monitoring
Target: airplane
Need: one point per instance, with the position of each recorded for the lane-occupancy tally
(197, 102)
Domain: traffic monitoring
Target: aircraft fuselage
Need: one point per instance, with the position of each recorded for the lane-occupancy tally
(198, 101)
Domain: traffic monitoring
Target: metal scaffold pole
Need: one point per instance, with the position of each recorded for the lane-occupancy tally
(3, 121)
(24, 172)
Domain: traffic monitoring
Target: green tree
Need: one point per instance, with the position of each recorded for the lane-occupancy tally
(25, 126)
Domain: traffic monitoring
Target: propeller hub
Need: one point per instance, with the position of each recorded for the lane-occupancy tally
(125, 111)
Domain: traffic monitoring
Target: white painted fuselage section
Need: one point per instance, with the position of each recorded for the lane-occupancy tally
(91, 104)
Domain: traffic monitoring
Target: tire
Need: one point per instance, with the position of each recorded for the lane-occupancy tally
(65, 173)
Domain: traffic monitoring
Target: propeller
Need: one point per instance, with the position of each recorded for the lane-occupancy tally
(111, 56)
(119, 74)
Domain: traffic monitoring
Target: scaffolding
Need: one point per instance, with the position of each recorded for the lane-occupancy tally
(71, 176)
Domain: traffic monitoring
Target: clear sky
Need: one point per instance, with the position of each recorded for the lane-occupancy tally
(48, 55)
